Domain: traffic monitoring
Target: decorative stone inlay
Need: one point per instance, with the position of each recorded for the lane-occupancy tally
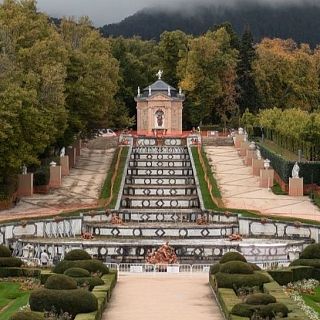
(147, 181)
(160, 172)
(198, 252)
(160, 232)
(147, 192)
(160, 217)
(160, 203)
(172, 181)
(174, 203)
(160, 192)
(217, 251)
(115, 232)
(103, 251)
(137, 232)
(148, 172)
(205, 232)
(183, 233)
(146, 203)
(160, 164)
(149, 164)
(173, 192)
(171, 172)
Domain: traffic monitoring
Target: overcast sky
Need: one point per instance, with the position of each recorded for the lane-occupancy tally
(103, 12)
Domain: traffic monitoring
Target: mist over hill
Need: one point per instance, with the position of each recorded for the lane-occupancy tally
(298, 20)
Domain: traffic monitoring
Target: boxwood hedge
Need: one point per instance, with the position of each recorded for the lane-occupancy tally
(232, 256)
(4, 251)
(60, 282)
(77, 254)
(90, 265)
(236, 267)
(77, 272)
(71, 301)
(27, 315)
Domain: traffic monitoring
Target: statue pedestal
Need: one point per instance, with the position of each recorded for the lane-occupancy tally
(64, 162)
(296, 187)
(266, 178)
(244, 146)
(238, 139)
(25, 185)
(55, 177)
(257, 165)
(250, 155)
(71, 153)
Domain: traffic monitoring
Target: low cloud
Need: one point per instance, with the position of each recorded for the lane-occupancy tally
(108, 11)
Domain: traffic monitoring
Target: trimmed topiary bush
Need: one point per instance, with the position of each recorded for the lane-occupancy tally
(306, 262)
(27, 315)
(91, 282)
(4, 252)
(10, 262)
(215, 268)
(77, 272)
(236, 267)
(90, 265)
(274, 309)
(7, 272)
(243, 310)
(60, 282)
(311, 252)
(71, 301)
(260, 299)
(254, 267)
(232, 256)
(232, 281)
(77, 254)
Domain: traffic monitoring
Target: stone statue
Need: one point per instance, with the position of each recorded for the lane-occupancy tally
(180, 91)
(169, 91)
(139, 92)
(258, 153)
(150, 92)
(240, 131)
(24, 169)
(62, 152)
(164, 255)
(295, 170)
(245, 136)
(159, 74)
(252, 145)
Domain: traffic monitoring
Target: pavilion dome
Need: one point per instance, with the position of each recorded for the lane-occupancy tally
(159, 85)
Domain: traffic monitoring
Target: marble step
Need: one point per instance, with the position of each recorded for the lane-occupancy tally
(164, 230)
(161, 172)
(160, 150)
(163, 190)
(159, 156)
(149, 180)
(160, 202)
(159, 164)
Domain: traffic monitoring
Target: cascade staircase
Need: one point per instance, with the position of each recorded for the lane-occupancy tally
(160, 203)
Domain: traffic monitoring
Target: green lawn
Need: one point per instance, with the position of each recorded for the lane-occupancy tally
(106, 190)
(313, 301)
(11, 299)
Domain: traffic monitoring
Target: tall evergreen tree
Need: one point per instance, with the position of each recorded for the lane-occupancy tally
(248, 94)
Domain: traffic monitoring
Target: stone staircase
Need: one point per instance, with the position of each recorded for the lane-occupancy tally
(160, 203)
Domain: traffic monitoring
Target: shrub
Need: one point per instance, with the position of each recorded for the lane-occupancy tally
(77, 254)
(90, 265)
(27, 315)
(302, 272)
(232, 256)
(71, 301)
(306, 262)
(311, 252)
(41, 177)
(235, 281)
(90, 281)
(236, 267)
(4, 252)
(260, 298)
(60, 282)
(283, 277)
(7, 272)
(274, 309)
(254, 267)
(77, 272)
(10, 262)
(215, 268)
(243, 310)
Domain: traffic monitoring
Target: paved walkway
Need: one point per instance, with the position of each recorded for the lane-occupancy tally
(81, 189)
(240, 189)
(162, 297)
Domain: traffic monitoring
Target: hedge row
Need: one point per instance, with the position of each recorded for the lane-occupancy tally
(90, 265)
(103, 294)
(310, 171)
(228, 299)
(7, 272)
(293, 274)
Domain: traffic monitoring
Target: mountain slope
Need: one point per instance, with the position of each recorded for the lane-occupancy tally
(300, 22)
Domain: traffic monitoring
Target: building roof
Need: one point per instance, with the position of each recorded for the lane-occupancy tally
(159, 85)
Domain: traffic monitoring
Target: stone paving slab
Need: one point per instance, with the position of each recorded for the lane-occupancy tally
(160, 297)
(241, 190)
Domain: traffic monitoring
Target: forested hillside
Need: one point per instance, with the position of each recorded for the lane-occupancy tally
(298, 22)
